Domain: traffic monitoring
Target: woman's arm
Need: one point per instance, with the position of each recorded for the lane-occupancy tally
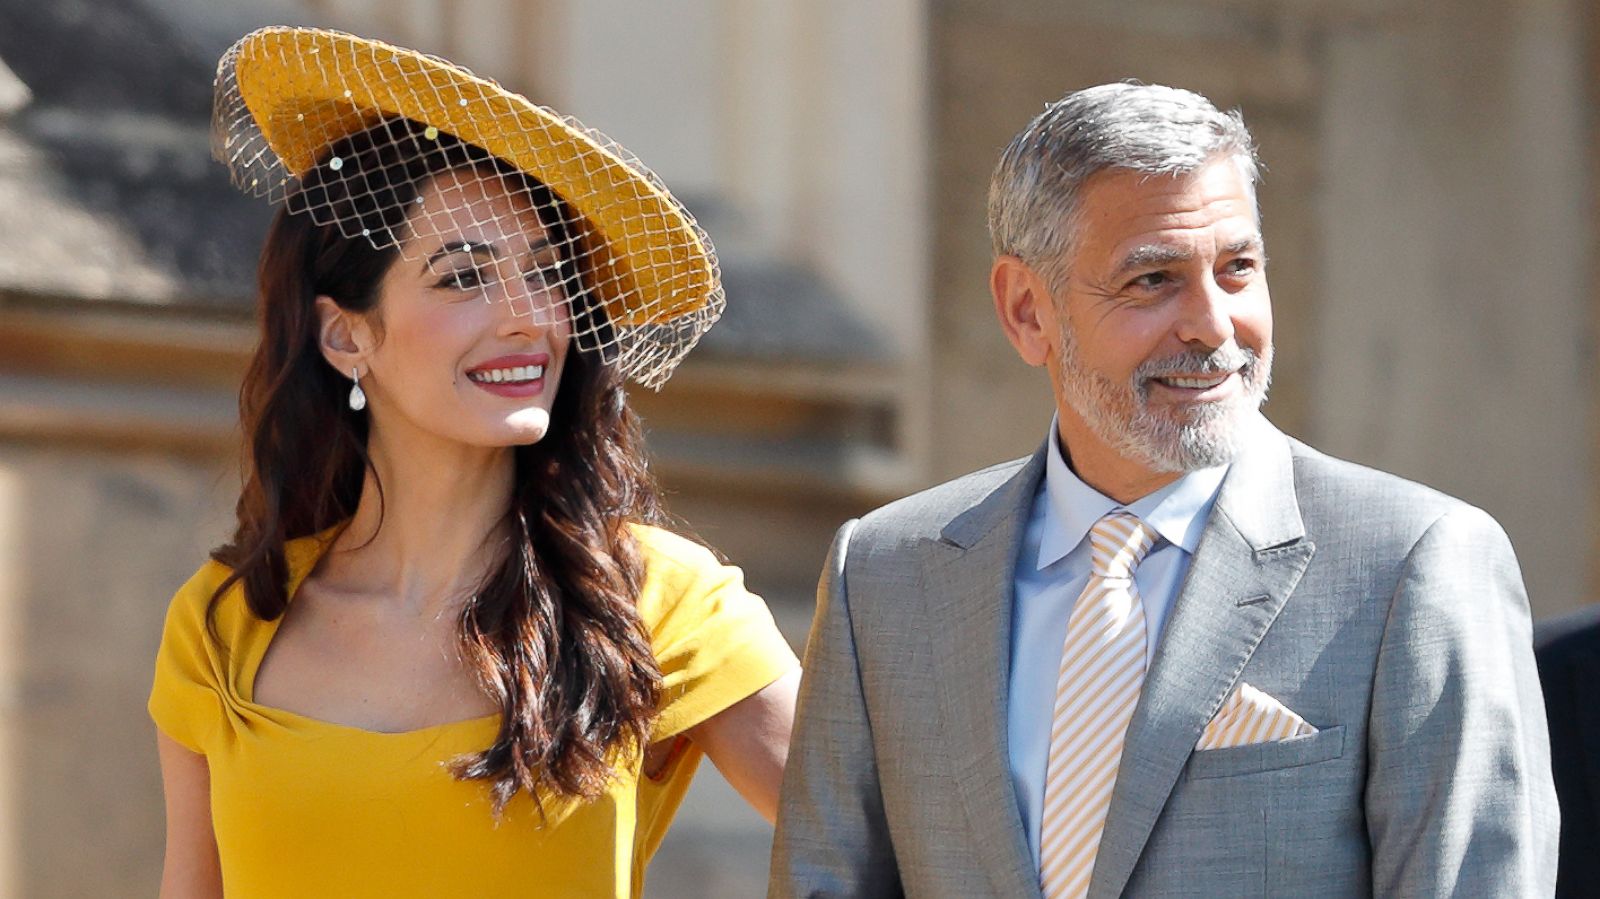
(749, 742)
(191, 869)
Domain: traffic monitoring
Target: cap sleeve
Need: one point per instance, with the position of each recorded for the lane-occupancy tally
(715, 641)
(184, 699)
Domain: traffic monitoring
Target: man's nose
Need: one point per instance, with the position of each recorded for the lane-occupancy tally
(1206, 314)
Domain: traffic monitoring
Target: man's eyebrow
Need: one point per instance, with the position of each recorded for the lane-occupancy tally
(1249, 242)
(1153, 255)
(1157, 255)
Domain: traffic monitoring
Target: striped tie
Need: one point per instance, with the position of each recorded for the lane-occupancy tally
(1102, 671)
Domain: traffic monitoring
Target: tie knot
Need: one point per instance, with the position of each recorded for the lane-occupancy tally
(1118, 543)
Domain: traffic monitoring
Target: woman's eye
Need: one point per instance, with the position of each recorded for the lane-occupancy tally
(546, 275)
(465, 279)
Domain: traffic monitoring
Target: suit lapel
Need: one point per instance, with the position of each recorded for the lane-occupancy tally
(968, 590)
(1250, 557)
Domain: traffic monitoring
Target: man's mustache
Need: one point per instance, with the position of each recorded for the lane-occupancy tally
(1229, 357)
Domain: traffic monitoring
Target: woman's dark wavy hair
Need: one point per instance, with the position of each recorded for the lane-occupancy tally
(553, 634)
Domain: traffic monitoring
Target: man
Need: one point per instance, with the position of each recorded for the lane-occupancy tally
(1568, 654)
(1175, 652)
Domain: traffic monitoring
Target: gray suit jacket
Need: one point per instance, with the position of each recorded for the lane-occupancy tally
(1389, 616)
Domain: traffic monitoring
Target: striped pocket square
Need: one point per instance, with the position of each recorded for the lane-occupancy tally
(1249, 717)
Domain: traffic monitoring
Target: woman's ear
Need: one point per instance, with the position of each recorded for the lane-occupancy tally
(344, 337)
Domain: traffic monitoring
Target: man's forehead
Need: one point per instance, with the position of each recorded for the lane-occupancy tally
(1135, 192)
(1208, 208)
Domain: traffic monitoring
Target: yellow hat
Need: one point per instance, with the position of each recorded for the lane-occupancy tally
(285, 95)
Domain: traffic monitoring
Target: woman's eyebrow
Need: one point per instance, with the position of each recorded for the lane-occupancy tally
(465, 246)
(482, 248)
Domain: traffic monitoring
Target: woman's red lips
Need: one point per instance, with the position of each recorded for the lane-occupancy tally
(516, 375)
(512, 360)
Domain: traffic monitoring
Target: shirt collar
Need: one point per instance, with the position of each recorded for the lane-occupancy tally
(1177, 512)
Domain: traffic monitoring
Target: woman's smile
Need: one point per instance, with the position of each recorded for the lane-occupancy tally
(519, 375)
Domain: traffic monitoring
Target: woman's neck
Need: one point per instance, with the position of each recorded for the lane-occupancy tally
(434, 528)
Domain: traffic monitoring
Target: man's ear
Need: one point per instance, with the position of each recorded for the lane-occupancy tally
(344, 337)
(1022, 302)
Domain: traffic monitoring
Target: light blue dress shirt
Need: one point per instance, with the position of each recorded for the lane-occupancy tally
(1053, 568)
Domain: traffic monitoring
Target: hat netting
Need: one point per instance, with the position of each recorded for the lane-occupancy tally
(493, 194)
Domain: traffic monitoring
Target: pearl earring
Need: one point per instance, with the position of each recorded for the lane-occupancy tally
(358, 397)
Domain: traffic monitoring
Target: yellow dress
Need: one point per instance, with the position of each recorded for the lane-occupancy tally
(305, 808)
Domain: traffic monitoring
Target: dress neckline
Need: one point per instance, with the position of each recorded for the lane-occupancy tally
(301, 556)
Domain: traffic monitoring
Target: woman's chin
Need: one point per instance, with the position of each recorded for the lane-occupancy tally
(527, 426)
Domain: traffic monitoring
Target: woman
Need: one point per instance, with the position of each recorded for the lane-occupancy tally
(446, 652)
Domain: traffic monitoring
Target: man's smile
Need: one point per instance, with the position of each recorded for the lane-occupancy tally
(1199, 388)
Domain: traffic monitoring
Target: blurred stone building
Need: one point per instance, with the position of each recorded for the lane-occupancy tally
(1430, 205)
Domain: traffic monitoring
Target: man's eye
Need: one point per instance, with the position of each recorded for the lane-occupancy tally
(1150, 281)
(1241, 266)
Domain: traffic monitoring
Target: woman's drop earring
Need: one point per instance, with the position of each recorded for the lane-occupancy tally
(358, 397)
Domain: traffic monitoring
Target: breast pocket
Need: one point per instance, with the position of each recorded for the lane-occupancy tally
(1273, 819)
(1322, 746)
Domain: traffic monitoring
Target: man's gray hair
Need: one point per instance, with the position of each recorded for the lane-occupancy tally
(1034, 193)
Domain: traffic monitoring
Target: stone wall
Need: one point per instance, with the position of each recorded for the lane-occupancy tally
(91, 544)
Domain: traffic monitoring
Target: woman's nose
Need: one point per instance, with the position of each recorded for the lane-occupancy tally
(529, 305)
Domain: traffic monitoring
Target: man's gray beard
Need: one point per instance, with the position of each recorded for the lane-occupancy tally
(1120, 414)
